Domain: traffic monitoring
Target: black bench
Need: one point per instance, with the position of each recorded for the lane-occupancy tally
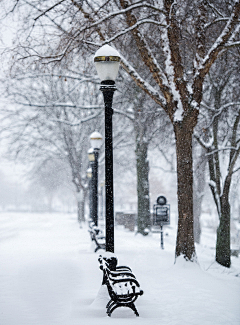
(96, 235)
(122, 285)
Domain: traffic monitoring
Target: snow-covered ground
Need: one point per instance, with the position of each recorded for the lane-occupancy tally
(49, 275)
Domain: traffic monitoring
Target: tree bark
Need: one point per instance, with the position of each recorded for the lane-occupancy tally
(81, 195)
(185, 238)
(197, 201)
(143, 220)
(223, 250)
(198, 190)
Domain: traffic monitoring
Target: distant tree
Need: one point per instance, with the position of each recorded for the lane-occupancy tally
(50, 176)
(147, 121)
(219, 135)
(7, 195)
(200, 162)
(51, 118)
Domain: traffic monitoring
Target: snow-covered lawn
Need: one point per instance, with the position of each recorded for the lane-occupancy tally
(49, 275)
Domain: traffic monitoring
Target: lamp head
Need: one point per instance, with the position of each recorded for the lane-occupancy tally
(91, 155)
(107, 61)
(96, 140)
(89, 172)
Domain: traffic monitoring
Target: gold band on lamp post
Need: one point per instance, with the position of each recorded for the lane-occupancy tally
(107, 58)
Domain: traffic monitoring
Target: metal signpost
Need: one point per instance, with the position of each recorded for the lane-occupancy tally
(161, 215)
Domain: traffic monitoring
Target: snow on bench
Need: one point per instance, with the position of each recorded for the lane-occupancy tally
(97, 236)
(122, 285)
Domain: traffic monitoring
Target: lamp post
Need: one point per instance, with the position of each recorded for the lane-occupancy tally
(89, 176)
(96, 141)
(107, 61)
(102, 199)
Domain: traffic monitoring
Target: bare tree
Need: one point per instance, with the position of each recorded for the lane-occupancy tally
(51, 118)
(46, 181)
(147, 121)
(220, 137)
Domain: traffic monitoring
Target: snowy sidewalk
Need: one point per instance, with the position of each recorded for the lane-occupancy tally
(49, 275)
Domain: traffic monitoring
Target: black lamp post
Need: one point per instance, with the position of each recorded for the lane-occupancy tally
(89, 176)
(96, 141)
(107, 61)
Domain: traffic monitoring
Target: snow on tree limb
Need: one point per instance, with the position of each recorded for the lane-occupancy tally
(203, 65)
(127, 30)
(204, 144)
(220, 42)
(222, 149)
(86, 119)
(220, 110)
(171, 72)
(154, 94)
(234, 44)
(214, 9)
(61, 105)
(224, 19)
(140, 4)
(236, 170)
(130, 117)
(95, 24)
(146, 53)
(49, 9)
(81, 79)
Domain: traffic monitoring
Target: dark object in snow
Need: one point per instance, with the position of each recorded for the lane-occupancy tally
(123, 288)
(235, 252)
(161, 216)
(161, 212)
(161, 200)
(128, 220)
(97, 236)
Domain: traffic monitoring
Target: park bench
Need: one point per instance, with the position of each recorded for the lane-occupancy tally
(96, 235)
(122, 285)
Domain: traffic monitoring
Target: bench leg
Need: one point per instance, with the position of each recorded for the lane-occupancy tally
(110, 303)
(97, 248)
(111, 306)
(133, 307)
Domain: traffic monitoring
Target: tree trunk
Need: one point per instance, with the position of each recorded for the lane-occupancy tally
(197, 201)
(198, 190)
(82, 207)
(223, 250)
(143, 220)
(185, 239)
(79, 212)
(81, 195)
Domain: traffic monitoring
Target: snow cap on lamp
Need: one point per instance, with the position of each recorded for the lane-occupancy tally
(89, 172)
(96, 140)
(91, 155)
(107, 61)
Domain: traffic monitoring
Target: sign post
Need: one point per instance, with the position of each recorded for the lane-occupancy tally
(161, 215)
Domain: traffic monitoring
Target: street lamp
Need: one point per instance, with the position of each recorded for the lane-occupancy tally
(96, 141)
(107, 61)
(89, 173)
